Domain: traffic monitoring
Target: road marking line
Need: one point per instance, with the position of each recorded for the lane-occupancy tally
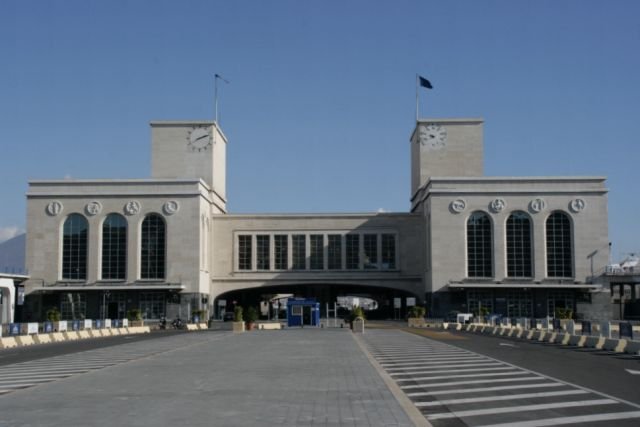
(41, 375)
(433, 361)
(500, 380)
(431, 353)
(24, 383)
(505, 397)
(571, 420)
(483, 389)
(422, 357)
(478, 359)
(80, 366)
(632, 372)
(409, 368)
(509, 409)
(444, 377)
(443, 371)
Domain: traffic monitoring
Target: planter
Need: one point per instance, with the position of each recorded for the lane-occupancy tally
(238, 327)
(416, 322)
(135, 323)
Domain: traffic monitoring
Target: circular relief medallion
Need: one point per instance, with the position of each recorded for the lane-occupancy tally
(93, 208)
(458, 205)
(132, 207)
(54, 208)
(498, 205)
(537, 205)
(171, 207)
(577, 205)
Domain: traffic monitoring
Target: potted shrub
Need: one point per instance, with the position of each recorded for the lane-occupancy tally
(238, 324)
(54, 316)
(354, 314)
(565, 315)
(134, 316)
(416, 316)
(250, 317)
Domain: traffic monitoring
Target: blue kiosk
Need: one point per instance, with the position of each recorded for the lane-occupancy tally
(303, 312)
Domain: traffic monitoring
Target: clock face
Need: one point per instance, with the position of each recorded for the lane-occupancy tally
(432, 136)
(199, 138)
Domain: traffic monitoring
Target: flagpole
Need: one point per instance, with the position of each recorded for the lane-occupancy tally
(215, 95)
(215, 98)
(417, 97)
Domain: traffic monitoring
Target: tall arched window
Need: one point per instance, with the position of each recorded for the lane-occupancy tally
(559, 252)
(479, 246)
(114, 247)
(519, 245)
(152, 251)
(74, 247)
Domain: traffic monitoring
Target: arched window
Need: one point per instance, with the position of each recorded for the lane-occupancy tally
(74, 247)
(519, 260)
(559, 256)
(114, 247)
(152, 249)
(479, 246)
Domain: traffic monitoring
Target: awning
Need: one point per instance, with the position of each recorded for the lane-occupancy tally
(72, 287)
(577, 286)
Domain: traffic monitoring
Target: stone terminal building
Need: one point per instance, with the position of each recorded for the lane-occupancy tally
(518, 246)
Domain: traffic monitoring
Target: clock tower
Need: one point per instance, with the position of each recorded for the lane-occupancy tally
(445, 147)
(189, 149)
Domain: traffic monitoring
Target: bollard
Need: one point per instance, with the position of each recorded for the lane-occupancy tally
(571, 327)
(605, 329)
(625, 330)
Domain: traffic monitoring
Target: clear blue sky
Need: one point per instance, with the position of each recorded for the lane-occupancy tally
(322, 95)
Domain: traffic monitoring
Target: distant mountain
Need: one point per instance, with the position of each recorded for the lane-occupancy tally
(12, 255)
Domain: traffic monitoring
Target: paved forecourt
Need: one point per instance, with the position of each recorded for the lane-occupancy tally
(455, 387)
(291, 377)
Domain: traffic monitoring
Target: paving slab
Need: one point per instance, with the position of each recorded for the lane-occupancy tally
(305, 377)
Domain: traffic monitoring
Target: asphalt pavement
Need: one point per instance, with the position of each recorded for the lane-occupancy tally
(614, 374)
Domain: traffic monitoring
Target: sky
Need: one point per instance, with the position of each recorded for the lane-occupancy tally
(321, 99)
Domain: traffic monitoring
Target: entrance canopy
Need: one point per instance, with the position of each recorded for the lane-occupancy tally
(460, 286)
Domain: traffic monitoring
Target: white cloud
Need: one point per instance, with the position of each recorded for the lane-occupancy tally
(381, 210)
(7, 233)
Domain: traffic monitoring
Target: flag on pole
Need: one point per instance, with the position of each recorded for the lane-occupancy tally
(425, 83)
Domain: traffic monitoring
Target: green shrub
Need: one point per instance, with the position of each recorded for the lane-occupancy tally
(53, 315)
(564, 313)
(417, 312)
(355, 313)
(251, 315)
(482, 311)
(134, 314)
(237, 313)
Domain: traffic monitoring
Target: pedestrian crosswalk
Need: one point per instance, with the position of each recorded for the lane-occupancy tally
(454, 387)
(28, 374)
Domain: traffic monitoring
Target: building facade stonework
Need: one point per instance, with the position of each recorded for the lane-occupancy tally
(517, 246)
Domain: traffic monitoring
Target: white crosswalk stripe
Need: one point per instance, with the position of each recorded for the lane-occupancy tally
(32, 373)
(449, 385)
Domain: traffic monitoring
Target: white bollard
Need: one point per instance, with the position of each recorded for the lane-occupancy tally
(571, 327)
(605, 329)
